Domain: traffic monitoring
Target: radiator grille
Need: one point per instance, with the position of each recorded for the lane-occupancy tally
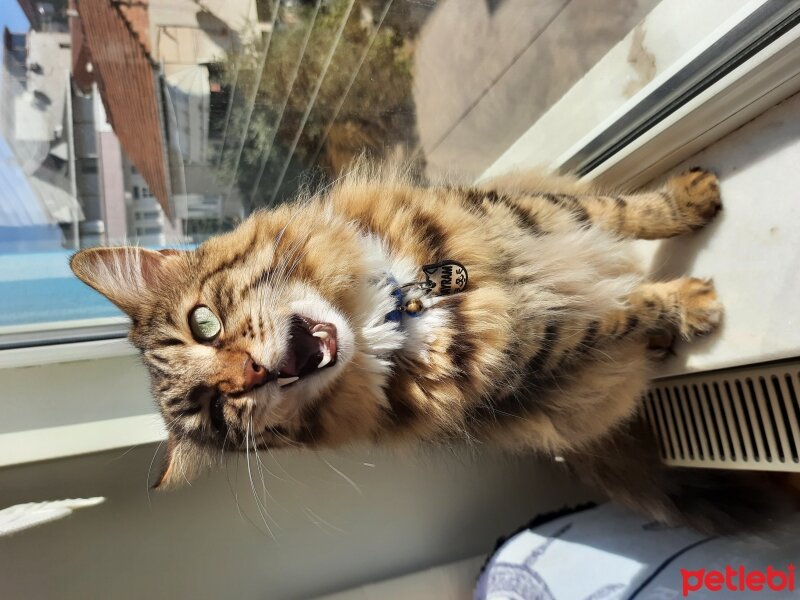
(743, 418)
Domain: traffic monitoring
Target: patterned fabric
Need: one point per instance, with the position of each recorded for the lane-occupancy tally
(606, 553)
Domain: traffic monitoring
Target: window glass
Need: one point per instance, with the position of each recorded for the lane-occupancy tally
(226, 106)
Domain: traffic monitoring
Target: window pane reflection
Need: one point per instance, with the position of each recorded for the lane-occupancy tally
(164, 122)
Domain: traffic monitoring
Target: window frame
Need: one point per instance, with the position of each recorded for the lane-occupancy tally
(715, 105)
(751, 42)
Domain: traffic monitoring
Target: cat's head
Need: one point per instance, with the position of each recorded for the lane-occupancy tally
(247, 334)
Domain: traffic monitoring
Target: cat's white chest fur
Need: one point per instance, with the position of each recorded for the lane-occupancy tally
(412, 336)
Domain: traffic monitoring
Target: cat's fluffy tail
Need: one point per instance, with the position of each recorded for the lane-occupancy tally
(627, 467)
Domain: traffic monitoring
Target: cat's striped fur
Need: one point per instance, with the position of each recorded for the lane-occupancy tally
(546, 350)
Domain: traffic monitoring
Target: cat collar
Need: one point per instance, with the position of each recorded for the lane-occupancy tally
(413, 307)
(441, 279)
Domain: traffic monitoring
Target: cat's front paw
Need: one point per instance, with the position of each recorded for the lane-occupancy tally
(660, 343)
(701, 311)
(696, 195)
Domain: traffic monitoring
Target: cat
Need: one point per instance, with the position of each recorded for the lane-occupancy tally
(511, 312)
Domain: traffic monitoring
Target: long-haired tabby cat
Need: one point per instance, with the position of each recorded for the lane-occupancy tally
(313, 325)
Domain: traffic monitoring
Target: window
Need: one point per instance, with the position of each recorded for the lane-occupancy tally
(458, 88)
(89, 166)
(142, 231)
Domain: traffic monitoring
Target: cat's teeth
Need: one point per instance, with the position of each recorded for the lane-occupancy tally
(326, 358)
(282, 381)
(323, 335)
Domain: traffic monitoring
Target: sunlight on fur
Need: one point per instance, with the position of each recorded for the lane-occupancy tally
(327, 336)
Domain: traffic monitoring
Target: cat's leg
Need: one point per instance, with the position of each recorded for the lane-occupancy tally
(655, 312)
(538, 181)
(687, 306)
(685, 203)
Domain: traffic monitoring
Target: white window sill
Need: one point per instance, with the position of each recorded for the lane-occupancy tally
(64, 353)
(33, 445)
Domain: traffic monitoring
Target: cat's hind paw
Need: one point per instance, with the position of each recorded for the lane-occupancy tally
(696, 195)
(701, 309)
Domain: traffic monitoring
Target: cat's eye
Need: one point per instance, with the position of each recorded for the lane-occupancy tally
(204, 324)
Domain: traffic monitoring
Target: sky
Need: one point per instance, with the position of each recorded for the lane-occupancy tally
(16, 207)
(11, 16)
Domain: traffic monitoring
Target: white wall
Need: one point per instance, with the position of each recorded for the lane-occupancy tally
(410, 512)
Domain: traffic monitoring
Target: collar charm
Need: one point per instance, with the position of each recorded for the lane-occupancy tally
(448, 277)
(414, 307)
(441, 279)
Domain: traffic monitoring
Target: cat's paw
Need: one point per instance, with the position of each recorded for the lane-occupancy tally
(660, 343)
(696, 196)
(701, 311)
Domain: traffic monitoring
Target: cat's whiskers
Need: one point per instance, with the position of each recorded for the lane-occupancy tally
(319, 521)
(352, 483)
(168, 424)
(288, 440)
(285, 272)
(253, 268)
(233, 487)
(232, 490)
(280, 466)
(268, 296)
(263, 297)
(262, 510)
(261, 468)
(261, 449)
(283, 256)
(298, 210)
(149, 469)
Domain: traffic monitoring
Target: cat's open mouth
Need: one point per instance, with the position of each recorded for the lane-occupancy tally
(312, 347)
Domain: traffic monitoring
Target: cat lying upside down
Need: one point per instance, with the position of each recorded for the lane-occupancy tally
(314, 325)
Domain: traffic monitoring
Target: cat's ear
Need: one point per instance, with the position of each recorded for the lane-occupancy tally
(184, 461)
(124, 275)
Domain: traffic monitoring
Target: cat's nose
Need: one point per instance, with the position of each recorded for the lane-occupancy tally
(255, 374)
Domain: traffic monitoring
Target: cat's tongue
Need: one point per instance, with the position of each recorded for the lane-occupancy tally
(311, 346)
